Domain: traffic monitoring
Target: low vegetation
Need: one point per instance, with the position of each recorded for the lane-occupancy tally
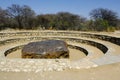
(23, 17)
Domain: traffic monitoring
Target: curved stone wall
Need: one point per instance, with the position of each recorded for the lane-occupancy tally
(99, 50)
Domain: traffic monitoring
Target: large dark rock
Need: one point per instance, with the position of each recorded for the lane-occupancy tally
(50, 49)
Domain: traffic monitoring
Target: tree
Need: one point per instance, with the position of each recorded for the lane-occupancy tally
(106, 15)
(101, 25)
(15, 13)
(60, 21)
(43, 21)
(3, 19)
(21, 16)
(68, 21)
(28, 17)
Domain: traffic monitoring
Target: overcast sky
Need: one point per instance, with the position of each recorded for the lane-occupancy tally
(80, 7)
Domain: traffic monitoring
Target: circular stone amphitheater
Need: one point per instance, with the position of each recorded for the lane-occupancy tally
(87, 50)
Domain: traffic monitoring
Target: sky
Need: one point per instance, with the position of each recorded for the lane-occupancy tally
(80, 7)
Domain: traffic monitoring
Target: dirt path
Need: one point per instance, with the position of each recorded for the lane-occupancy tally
(106, 72)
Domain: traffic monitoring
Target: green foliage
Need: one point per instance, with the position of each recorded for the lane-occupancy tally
(60, 21)
(101, 25)
(23, 17)
(110, 29)
(105, 14)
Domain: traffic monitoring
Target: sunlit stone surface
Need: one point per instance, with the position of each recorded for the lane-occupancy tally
(49, 49)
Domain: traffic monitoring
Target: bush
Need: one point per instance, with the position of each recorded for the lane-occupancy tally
(111, 29)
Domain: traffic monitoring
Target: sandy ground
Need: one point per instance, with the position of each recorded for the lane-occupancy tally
(106, 72)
